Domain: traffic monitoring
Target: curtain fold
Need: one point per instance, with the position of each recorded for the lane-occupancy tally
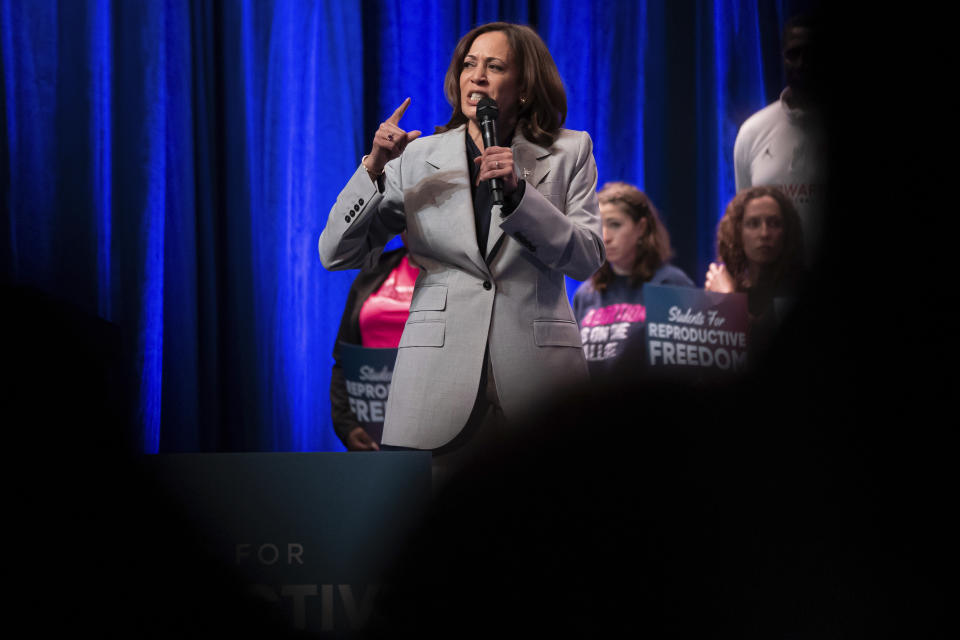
(168, 166)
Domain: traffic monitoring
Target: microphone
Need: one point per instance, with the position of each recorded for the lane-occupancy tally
(487, 113)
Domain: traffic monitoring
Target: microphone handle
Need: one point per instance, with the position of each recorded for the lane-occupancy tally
(488, 130)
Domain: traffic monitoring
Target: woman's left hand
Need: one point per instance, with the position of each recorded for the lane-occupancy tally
(497, 162)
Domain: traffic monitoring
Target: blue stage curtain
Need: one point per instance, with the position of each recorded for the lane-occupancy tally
(168, 166)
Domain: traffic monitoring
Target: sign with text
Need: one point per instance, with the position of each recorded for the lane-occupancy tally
(368, 373)
(694, 332)
(311, 535)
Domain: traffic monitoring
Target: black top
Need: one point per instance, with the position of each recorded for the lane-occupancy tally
(483, 199)
(766, 312)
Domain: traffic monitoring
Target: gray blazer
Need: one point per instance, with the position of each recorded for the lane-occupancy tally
(514, 299)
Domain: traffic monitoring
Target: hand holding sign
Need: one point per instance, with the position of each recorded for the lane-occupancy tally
(360, 440)
(389, 141)
(719, 279)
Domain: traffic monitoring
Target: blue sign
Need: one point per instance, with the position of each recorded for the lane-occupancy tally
(367, 373)
(694, 332)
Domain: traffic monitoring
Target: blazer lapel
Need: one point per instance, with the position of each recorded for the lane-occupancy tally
(450, 154)
(532, 163)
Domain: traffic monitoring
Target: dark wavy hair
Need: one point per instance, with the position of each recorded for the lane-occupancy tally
(730, 237)
(653, 248)
(545, 109)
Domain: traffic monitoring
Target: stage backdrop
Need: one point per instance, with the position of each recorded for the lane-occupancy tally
(168, 166)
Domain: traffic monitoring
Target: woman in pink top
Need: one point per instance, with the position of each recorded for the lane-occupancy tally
(376, 310)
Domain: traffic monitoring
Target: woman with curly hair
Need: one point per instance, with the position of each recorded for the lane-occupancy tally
(609, 307)
(760, 253)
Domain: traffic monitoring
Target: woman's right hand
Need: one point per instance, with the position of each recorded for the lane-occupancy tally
(389, 141)
(719, 279)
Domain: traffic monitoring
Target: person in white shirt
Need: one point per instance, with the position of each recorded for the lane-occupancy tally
(783, 144)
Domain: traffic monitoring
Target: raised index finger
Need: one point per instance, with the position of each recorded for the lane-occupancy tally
(395, 118)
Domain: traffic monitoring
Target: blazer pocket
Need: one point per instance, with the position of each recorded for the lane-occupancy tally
(555, 192)
(558, 200)
(423, 334)
(431, 297)
(556, 333)
(551, 186)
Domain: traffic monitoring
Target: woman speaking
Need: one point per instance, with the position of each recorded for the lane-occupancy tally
(490, 329)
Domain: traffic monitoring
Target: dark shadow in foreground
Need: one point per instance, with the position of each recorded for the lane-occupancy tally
(96, 547)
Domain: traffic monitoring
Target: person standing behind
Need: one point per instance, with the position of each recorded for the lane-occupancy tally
(609, 306)
(783, 144)
(375, 313)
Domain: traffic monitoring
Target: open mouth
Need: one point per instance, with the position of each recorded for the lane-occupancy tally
(474, 97)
